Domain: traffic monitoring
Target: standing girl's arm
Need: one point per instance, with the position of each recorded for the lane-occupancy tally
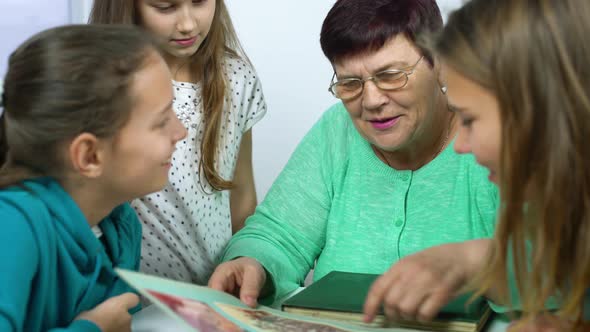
(243, 194)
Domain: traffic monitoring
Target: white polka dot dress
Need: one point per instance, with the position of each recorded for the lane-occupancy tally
(187, 225)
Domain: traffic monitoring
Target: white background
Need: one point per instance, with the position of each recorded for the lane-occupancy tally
(20, 19)
(281, 38)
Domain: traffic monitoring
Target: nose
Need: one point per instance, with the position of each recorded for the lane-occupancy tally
(179, 131)
(373, 97)
(462, 144)
(186, 22)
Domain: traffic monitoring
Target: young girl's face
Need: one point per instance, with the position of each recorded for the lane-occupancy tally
(181, 24)
(480, 131)
(139, 157)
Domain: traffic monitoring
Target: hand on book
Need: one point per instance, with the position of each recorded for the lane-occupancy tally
(244, 277)
(419, 285)
(112, 315)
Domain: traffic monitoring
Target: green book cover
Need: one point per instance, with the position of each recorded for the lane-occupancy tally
(346, 292)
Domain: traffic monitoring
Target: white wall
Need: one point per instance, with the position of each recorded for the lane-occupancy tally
(281, 38)
(20, 19)
(80, 10)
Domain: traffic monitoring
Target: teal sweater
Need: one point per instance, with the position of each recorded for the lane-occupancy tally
(53, 266)
(336, 202)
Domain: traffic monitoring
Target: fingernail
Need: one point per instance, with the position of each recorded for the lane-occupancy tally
(367, 318)
(250, 301)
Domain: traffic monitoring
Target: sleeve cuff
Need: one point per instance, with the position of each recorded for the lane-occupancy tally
(274, 261)
(83, 325)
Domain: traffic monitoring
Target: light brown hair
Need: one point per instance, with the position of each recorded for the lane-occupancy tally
(221, 41)
(533, 55)
(63, 82)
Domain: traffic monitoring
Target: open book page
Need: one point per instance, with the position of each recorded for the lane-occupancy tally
(204, 309)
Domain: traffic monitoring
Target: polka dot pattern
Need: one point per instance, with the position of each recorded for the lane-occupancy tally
(187, 225)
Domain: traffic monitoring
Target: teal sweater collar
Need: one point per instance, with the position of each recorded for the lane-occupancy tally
(81, 239)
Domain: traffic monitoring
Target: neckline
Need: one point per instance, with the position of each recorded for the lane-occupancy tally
(377, 164)
(185, 85)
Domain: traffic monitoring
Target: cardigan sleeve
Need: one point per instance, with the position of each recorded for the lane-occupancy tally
(287, 232)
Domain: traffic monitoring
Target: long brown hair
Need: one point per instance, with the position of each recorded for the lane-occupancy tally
(63, 82)
(533, 56)
(207, 63)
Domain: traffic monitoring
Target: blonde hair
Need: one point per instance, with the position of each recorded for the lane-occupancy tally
(206, 67)
(533, 56)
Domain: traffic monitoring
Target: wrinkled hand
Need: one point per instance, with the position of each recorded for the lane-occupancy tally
(419, 285)
(243, 277)
(112, 315)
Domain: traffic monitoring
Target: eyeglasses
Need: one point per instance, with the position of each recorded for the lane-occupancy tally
(392, 79)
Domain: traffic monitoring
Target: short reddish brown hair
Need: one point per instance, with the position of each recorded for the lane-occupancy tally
(353, 27)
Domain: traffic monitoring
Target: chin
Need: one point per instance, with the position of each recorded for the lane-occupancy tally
(187, 53)
(389, 146)
(160, 185)
(493, 177)
(154, 187)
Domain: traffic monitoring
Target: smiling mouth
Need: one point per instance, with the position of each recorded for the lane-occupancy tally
(185, 41)
(384, 120)
(384, 123)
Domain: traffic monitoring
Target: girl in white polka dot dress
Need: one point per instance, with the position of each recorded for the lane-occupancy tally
(218, 97)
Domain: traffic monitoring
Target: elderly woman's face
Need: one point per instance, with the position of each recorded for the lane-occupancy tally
(392, 120)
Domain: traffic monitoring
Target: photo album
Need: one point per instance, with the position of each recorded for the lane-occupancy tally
(203, 309)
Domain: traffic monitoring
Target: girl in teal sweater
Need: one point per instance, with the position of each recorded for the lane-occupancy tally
(87, 125)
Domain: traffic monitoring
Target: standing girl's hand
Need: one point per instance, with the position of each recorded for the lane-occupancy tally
(419, 285)
(112, 315)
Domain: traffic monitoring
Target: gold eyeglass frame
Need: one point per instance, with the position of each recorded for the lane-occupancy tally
(407, 72)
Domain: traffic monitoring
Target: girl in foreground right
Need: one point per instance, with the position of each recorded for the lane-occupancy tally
(520, 80)
(518, 75)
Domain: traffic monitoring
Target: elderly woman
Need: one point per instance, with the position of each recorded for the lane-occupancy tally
(376, 179)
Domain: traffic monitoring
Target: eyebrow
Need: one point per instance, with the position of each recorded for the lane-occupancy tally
(151, 2)
(166, 108)
(393, 65)
(397, 65)
(455, 108)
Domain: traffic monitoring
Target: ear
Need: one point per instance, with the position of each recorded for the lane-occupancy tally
(87, 155)
(439, 74)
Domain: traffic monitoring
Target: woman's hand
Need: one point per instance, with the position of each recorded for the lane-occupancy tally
(112, 315)
(419, 285)
(243, 277)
